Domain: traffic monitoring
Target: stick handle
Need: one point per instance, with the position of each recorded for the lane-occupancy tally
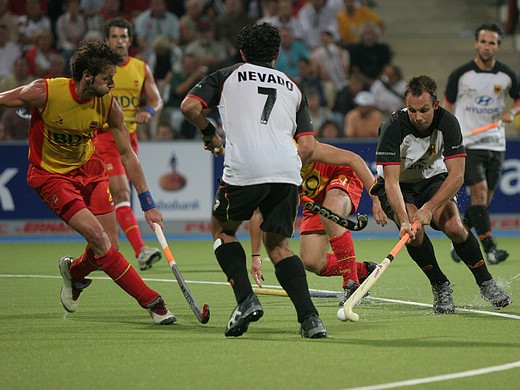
(483, 128)
(361, 291)
(164, 244)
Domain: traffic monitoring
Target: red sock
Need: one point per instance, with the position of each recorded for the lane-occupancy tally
(343, 248)
(126, 219)
(83, 265)
(332, 266)
(120, 270)
(362, 271)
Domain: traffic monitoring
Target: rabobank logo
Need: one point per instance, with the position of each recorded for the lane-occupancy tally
(6, 197)
(485, 101)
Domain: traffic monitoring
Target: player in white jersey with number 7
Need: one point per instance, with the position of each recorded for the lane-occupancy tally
(263, 112)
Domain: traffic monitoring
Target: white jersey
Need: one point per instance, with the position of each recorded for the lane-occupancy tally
(262, 112)
(480, 98)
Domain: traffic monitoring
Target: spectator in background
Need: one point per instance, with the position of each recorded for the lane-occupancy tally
(319, 114)
(19, 75)
(182, 81)
(9, 20)
(291, 52)
(364, 120)
(12, 126)
(369, 56)
(91, 8)
(316, 17)
(155, 21)
(133, 8)
(352, 19)
(286, 19)
(32, 22)
(270, 12)
(388, 90)
(71, 27)
(229, 24)
(208, 51)
(39, 54)
(9, 52)
(309, 80)
(328, 130)
(331, 63)
(58, 66)
(188, 22)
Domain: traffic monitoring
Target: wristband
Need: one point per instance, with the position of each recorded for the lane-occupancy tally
(512, 113)
(149, 110)
(256, 255)
(209, 131)
(146, 200)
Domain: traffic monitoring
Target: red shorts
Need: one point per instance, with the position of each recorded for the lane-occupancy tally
(342, 178)
(106, 147)
(66, 194)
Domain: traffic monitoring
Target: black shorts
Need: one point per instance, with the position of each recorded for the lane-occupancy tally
(278, 203)
(414, 193)
(483, 165)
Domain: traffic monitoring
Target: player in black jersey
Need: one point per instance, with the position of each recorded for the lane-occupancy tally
(420, 158)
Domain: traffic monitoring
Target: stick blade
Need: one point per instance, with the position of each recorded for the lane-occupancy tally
(204, 318)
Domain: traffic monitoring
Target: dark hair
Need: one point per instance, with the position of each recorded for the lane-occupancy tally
(119, 22)
(93, 57)
(418, 85)
(259, 42)
(491, 26)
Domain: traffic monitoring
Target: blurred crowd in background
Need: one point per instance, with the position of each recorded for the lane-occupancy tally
(333, 49)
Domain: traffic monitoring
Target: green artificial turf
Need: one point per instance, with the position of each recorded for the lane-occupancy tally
(111, 343)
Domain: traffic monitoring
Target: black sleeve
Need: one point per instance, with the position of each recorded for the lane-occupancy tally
(303, 119)
(452, 135)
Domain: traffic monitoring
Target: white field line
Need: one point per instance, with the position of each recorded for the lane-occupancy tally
(491, 313)
(440, 378)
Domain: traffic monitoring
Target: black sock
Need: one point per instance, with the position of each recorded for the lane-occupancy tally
(232, 260)
(467, 219)
(480, 217)
(424, 256)
(291, 275)
(469, 252)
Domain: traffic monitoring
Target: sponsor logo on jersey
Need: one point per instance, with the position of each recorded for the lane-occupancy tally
(70, 139)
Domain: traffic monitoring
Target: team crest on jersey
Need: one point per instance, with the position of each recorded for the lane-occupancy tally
(497, 89)
(136, 83)
(93, 125)
(432, 150)
(59, 121)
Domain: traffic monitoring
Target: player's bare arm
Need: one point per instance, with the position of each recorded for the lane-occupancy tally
(446, 192)
(129, 159)
(33, 94)
(396, 200)
(153, 98)
(329, 154)
(306, 148)
(193, 111)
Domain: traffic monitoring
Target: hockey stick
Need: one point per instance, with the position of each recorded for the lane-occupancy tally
(362, 219)
(479, 130)
(283, 293)
(202, 316)
(354, 299)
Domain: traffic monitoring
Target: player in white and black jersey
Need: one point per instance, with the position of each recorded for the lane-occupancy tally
(263, 113)
(420, 158)
(478, 90)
